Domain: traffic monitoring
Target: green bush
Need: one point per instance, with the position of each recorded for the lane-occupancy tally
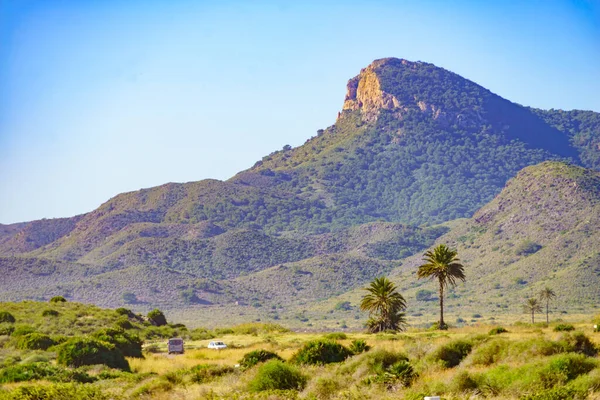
(77, 352)
(564, 328)
(463, 382)
(336, 336)
(157, 318)
(452, 353)
(401, 372)
(21, 330)
(58, 299)
(50, 313)
(275, 375)
(557, 393)
(489, 353)
(498, 330)
(257, 356)
(526, 248)
(61, 391)
(124, 323)
(6, 329)
(375, 362)
(201, 334)
(42, 370)
(207, 372)
(436, 327)
(5, 316)
(534, 377)
(124, 311)
(35, 341)
(359, 346)
(577, 342)
(129, 344)
(318, 352)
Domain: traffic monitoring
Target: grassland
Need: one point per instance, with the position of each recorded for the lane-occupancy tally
(521, 361)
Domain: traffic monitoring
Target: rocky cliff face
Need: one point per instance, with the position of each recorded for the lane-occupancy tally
(364, 93)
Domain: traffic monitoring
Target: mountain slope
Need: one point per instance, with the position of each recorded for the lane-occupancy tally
(414, 145)
(539, 231)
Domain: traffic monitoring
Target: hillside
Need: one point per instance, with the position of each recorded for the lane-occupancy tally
(538, 232)
(414, 146)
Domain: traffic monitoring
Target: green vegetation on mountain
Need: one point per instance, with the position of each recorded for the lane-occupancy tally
(414, 146)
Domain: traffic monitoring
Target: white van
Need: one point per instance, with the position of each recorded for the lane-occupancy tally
(175, 345)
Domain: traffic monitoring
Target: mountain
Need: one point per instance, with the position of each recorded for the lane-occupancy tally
(414, 146)
(540, 231)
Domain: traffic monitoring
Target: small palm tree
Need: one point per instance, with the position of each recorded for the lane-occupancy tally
(385, 306)
(442, 264)
(547, 294)
(532, 306)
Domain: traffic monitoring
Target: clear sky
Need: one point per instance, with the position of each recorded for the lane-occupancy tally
(99, 97)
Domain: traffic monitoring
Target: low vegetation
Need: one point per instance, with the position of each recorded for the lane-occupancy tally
(267, 361)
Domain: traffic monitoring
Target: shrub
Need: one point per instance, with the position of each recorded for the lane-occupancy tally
(526, 248)
(157, 318)
(124, 323)
(6, 330)
(207, 372)
(318, 352)
(124, 311)
(201, 334)
(77, 352)
(436, 327)
(275, 375)
(557, 393)
(35, 341)
(21, 330)
(58, 299)
(257, 356)
(488, 353)
(463, 382)
(42, 370)
(564, 328)
(378, 361)
(359, 346)
(568, 366)
(50, 313)
(401, 372)
(498, 330)
(577, 342)
(336, 336)
(61, 391)
(452, 353)
(424, 295)
(5, 316)
(130, 345)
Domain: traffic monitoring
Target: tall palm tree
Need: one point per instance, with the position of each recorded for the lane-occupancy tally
(385, 306)
(532, 306)
(442, 264)
(547, 294)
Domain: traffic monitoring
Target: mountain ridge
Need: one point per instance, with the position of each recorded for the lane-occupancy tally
(413, 147)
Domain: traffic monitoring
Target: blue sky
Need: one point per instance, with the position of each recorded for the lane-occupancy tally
(101, 97)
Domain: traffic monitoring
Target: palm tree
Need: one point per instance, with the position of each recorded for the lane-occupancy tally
(547, 294)
(531, 306)
(385, 306)
(442, 264)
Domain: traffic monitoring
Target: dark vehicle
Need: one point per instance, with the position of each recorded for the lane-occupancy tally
(175, 345)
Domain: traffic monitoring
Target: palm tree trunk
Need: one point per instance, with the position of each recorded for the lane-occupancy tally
(532, 318)
(547, 304)
(442, 324)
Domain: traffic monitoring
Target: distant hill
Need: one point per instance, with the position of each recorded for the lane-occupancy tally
(414, 146)
(540, 231)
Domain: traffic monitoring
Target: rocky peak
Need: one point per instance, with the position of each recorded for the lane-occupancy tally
(364, 91)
